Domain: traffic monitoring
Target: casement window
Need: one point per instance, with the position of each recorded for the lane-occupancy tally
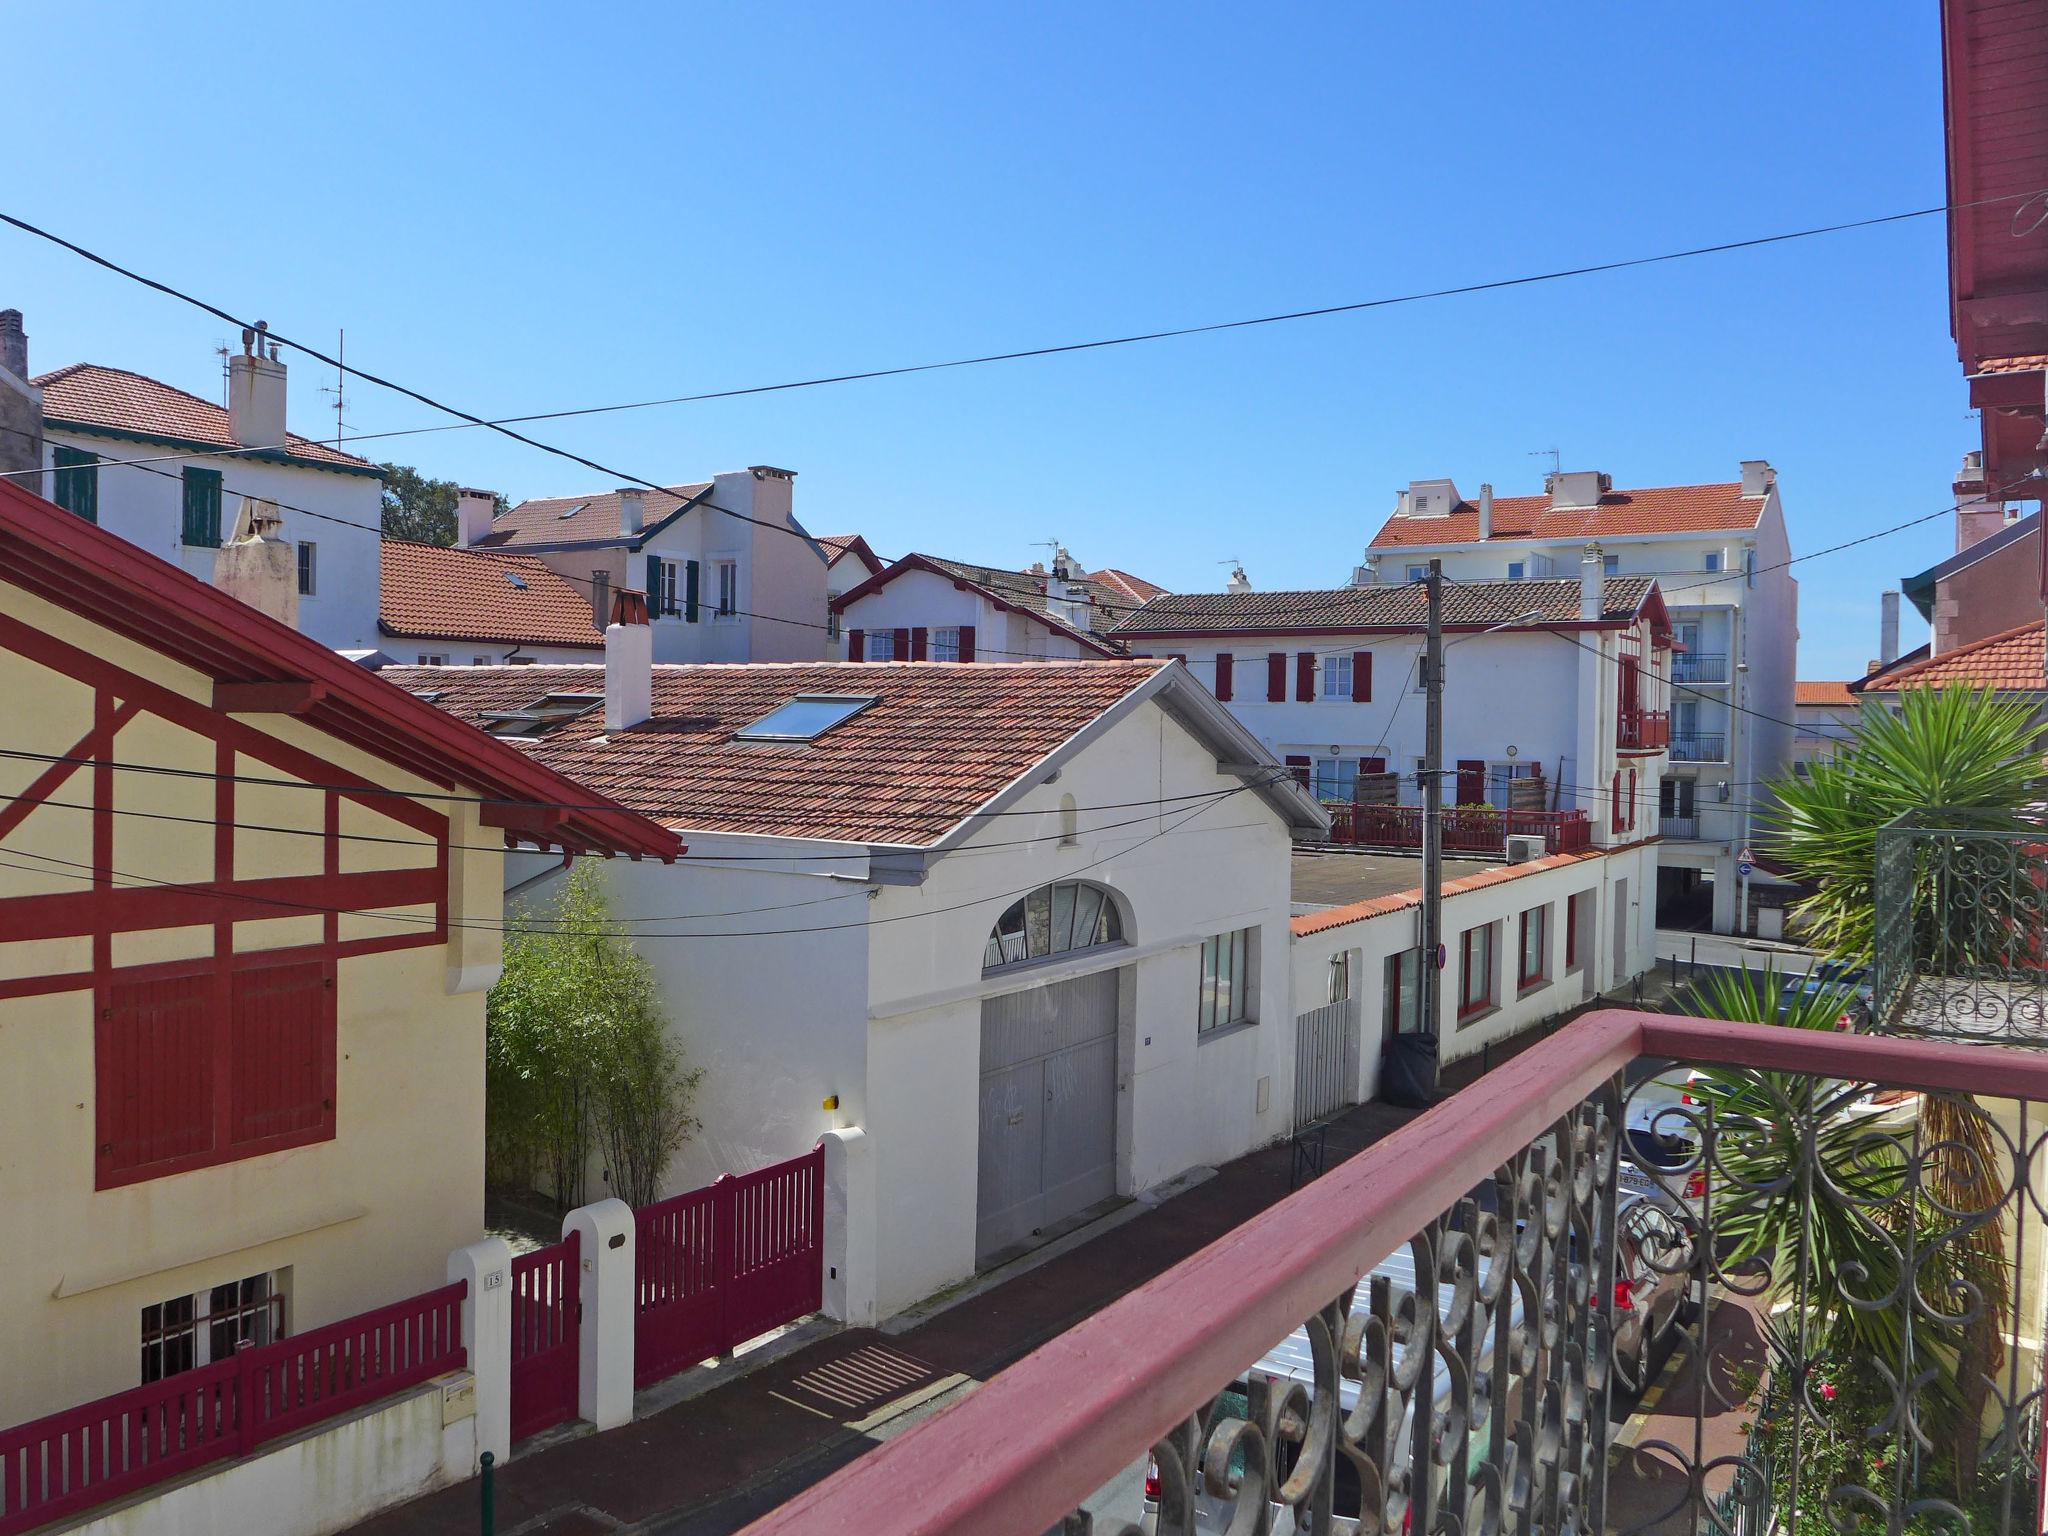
(1418, 573)
(433, 659)
(945, 644)
(1340, 976)
(1475, 970)
(211, 1066)
(480, 661)
(727, 573)
(1403, 1001)
(202, 508)
(1609, 564)
(672, 588)
(78, 482)
(309, 567)
(831, 625)
(882, 646)
(1337, 678)
(1518, 570)
(1533, 967)
(1578, 911)
(1500, 775)
(186, 1332)
(1335, 778)
(1226, 991)
(1713, 559)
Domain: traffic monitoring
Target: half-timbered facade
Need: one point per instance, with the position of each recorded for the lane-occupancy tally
(250, 899)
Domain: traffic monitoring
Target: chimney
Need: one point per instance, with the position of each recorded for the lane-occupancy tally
(1485, 511)
(1577, 488)
(13, 344)
(1592, 574)
(256, 391)
(1238, 582)
(1888, 628)
(628, 662)
(632, 508)
(1062, 601)
(1758, 477)
(258, 566)
(1977, 516)
(474, 511)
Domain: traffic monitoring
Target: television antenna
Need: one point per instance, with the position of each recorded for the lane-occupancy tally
(334, 389)
(1556, 458)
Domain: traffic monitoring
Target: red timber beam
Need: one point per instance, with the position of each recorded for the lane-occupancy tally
(96, 742)
(135, 908)
(287, 698)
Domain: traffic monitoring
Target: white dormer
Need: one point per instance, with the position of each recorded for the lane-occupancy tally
(1577, 488)
(1429, 498)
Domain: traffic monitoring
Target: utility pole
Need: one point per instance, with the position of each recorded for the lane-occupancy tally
(1412, 1075)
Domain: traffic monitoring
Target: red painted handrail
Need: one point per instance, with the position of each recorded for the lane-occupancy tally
(316, 1375)
(1042, 1436)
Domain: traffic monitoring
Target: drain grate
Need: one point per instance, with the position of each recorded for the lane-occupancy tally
(859, 1383)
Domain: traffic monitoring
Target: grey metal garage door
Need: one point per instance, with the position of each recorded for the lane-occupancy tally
(1048, 1107)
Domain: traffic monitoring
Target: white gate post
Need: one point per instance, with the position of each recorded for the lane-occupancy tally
(604, 1340)
(487, 1337)
(850, 1259)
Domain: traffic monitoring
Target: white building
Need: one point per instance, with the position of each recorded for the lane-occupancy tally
(480, 607)
(1559, 680)
(922, 607)
(729, 572)
(112, 442)
(973, 912)
(1719, 553)
(1826, 715)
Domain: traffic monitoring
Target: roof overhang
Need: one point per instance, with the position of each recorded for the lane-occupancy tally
(914, 562)
(385, 627)
(1160, 636)
(211, 450)
(1575, 540)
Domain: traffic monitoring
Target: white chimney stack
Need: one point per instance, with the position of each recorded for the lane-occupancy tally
(1592, 575)
(1577, 488)
(257, 566)
(1757, 477)
(1238, 582)
(1888, 628)
(628, 662)
(632, 508)
(474, 511)
(1485, 511)
(256, 391)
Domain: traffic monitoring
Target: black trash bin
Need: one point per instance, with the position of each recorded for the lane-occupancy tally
(1410, 1073)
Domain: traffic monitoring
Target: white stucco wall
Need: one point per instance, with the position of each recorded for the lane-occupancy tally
(918, 598)
(408, 651)
(145, 505)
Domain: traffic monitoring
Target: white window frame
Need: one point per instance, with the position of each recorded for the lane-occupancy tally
(881, 640)
(669, 601)
(1340, 976)
(309, 568)
(434, 659)
(1333, 778)
(1227, 983)
(1418, 573)
(1610, 565)
(1518, 570)
(943, 644)
(261, 1320)
(725, 581)
(480, 661)
(1336, 680)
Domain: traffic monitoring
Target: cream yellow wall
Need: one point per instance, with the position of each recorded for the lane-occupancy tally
(363, 1219)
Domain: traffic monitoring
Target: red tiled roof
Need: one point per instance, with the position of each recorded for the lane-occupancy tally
(2011, 662)
(1822, 693)
(1017, 591)
(1134, 588)
(940, 741)
(1554, 601)
(2027, 362)
(838, 544)
(1654, 509)
(428, 592)
(88, 395)
(592, 519)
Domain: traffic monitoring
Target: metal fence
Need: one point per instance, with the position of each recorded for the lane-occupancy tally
(1959, 949)
(1692, 747)
(1325, 1060)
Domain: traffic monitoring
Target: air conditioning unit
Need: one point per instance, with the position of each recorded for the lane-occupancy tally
(1522, 849)
(1364, 575)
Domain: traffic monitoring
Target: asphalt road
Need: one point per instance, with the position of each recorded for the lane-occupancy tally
(1731, 953)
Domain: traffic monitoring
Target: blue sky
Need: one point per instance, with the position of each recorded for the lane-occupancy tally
(526, 208)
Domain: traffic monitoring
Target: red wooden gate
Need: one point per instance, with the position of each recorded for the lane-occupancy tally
(723, 1264)
(547, 1290)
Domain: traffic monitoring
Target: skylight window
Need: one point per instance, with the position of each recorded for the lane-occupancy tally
(518, 582)
(805, 717)
(571, 512)
(541, 716)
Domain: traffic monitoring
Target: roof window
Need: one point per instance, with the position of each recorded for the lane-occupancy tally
(572, 511)
(541, 716)
(518, 581)
(805, 717)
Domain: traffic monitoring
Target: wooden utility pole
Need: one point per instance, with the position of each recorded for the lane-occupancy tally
(1433, 815)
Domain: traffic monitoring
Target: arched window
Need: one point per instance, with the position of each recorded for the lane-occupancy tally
(1054, 920)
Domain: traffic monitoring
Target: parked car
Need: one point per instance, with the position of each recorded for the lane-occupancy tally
(1859, 996)
(1653, 1289)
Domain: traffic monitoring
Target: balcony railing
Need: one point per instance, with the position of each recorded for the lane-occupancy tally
(1900, 1389)
(1699, 667)
(1694, 748)
(1959, 948)
(1481, 829)
(1682, 828)
(1642, 730)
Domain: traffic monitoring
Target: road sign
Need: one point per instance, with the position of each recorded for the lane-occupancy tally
(1743, 867)
(1745, 857)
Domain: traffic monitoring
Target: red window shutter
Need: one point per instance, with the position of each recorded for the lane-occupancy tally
(1471, 781)
(1305, 676)
(1276, 677)
(1631, 798)
(153, 1058)
(1361, 677)
(902, 646)
(967, 642)
(856, 645)
(281, 1080)
(1224, 663)
(920, 644)
(1372, 765)
(1614, 800)
(1298, 766)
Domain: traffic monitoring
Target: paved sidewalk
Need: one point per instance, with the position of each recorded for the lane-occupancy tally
(715, 1461)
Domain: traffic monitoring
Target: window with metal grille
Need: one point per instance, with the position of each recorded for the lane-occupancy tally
(186, 1332)
(202, 508)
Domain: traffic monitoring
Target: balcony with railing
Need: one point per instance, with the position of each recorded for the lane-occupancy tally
(1961, 942)
(1847, 1209)
(1683, 829)
(1699, 667)
(1693, 747)
(1467, 829)
(1642, 730)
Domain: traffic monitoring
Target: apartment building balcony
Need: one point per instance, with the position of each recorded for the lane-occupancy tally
(1485, 1399)
(1699, 667)
(1679, 829)
(1469, 829)
(1642, 731)
(1695, 747)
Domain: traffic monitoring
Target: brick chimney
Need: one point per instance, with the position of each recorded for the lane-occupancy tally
(474, 511)
(256, 391)
(628, 662)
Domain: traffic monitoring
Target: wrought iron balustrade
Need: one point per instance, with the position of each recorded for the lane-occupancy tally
(1692, 747)
(1961, 943)
(1682, 828)
(1699, 667)
(1877, 1236)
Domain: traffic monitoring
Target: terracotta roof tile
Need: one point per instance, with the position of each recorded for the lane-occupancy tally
(940, 741)
(1377, 607)
(88, 395)
(1822, 693)
(1653, 509)
(2011, 661)
(2027, 362)
(592, 519)
(430, 593)
(1133, 589)
(1106, 606)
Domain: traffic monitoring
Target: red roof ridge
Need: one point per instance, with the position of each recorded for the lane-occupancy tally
(1883, 681)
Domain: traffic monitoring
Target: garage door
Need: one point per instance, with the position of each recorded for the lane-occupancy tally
(1048, 1107)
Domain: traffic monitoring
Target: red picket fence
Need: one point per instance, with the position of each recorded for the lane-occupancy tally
(118, 1445)
(547, 1306)
(726, 1263)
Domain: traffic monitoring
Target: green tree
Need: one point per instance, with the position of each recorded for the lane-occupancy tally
(416, 509)
(578, 1057)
